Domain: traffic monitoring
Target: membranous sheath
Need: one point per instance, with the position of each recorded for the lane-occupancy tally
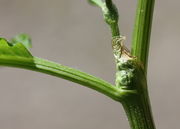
(118, 47)
(125, 64)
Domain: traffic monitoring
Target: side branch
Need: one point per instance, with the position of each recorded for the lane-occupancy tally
(51, 68)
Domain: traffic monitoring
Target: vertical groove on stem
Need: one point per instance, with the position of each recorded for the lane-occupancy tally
(139, 114)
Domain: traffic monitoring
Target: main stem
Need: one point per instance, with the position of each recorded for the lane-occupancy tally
(138, 108)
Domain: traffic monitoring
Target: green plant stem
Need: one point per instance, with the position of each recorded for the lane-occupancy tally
(138, 107)
(142, 31)
(51, 68)
(112, 18)
(110, 14)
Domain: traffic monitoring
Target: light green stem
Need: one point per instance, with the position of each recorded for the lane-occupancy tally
(142, 31)
(52, 68)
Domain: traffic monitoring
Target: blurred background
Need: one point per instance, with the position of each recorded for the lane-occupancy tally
(73, 33)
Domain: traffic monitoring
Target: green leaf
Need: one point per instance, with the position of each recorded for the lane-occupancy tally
(13, 50)
(22, 38)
